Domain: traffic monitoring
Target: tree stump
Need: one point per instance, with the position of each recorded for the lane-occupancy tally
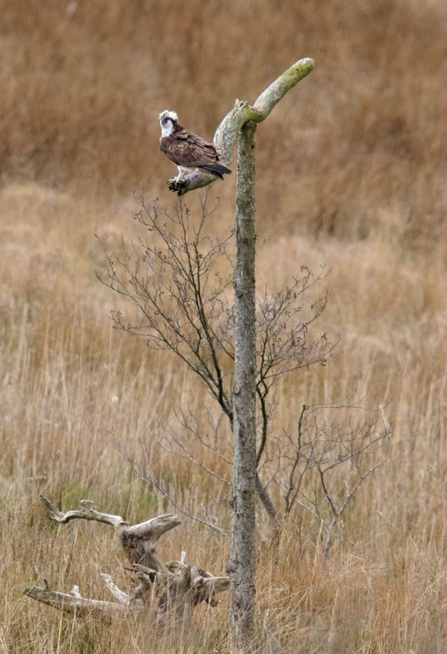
(173, 589)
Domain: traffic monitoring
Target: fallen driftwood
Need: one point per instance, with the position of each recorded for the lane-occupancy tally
(173, 588)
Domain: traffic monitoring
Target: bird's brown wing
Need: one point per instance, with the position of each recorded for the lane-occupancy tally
(189, 150)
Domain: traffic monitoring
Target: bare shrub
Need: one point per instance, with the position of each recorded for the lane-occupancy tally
(178, 278)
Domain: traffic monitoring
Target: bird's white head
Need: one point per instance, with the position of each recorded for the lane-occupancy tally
(168, 121)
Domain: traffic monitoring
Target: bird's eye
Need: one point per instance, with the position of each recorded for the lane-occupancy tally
(164, 121)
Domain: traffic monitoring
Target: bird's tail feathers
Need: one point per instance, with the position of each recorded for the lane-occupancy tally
(219, 169)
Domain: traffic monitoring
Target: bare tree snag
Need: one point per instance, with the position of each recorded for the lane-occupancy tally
(242, 564)
(189, 333)
(173, 587)
(228, 130)
(241, 567)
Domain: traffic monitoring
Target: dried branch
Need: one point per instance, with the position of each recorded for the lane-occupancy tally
(86, 512)
(329, 462)
(228, 130)
(338, 511)
(147, 475)
(176, 278)
(179, 293)
(139, 541)
(176, 587)
(123, 598)
(69, 603)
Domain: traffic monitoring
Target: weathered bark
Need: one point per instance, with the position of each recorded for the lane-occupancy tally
(241, 567)
(242, 564)
(241, 122)
(139, 541)
(176, 587)
(73, 602)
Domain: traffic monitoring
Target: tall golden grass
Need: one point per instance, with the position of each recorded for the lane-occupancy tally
(351, 174)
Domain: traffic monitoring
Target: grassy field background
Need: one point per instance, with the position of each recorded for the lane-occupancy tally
(351, 175)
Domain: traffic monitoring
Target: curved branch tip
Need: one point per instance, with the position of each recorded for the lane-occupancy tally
(242, 112)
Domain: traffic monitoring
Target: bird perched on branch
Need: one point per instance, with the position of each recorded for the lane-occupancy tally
(186, 150)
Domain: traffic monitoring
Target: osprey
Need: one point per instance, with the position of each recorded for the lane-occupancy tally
(186, 150)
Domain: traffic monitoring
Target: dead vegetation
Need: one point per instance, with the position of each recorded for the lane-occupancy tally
(163, 593)
(88, 79)
(351, 175)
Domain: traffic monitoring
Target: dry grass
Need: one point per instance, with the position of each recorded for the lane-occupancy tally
(351, 174)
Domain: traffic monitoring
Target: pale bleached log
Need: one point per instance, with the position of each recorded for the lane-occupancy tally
(68, 603)
(123, 598)
(86, 512)
(139, 541)
(176, 587)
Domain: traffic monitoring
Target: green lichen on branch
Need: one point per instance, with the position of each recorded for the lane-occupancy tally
(276, 91)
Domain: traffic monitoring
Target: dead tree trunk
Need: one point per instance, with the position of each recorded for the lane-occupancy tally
(242, 565)
(173, 587)
(241, 122)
